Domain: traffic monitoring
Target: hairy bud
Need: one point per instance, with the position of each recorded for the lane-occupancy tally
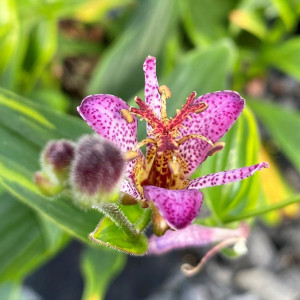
(57, 157)
(96, 170)
(55, 160)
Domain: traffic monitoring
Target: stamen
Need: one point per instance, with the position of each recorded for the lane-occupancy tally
(165, 93)
(131, 155)
(145, 142)
(127, 115)
(174, 166)
(182, 126)
(195, 136)
(218, 146)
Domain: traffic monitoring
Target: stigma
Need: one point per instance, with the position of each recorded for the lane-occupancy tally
(165, 132)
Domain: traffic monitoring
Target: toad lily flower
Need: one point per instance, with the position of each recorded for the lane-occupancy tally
(175, 146)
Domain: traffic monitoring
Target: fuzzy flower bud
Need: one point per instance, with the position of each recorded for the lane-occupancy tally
(57, 157)
(96, 170)
(55, 161)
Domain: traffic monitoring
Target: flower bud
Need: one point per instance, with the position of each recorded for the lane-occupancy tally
(57, 157)
(55, 161)
(96, 170)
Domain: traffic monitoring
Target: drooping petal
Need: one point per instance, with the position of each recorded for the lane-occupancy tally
(102, 113)
(128, 188)
(192, 236)
(223, 109)
(178, 207)
(224, 177)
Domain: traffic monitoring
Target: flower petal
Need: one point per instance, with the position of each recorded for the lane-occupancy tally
(192, 236)
(129, 188)
(225, 177)
(223, 109)
(102, 113)
(152, 96)
(178, 207)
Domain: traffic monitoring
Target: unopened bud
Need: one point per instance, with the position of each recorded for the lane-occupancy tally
(55, 161)
(96, 171)
(56, 158)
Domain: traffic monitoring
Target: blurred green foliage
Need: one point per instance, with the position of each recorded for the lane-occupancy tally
(51, 48)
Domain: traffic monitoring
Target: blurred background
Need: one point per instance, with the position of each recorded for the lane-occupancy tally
(56, 52)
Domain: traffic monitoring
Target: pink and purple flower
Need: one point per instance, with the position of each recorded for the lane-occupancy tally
(175, 147)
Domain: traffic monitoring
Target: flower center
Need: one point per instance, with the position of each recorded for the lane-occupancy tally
(164, 166)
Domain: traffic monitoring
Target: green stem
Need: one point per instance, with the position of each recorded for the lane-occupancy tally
(113, 212)
(257, 212)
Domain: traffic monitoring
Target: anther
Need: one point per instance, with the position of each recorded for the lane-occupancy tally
(174, 166)
(218, 146)
(165, 93)
(131, 155)
(164, 90)
(202, 107)
(127, 115)
(196, 136)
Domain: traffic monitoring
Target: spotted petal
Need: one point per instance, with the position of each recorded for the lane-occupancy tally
(221, 178)
(130, 189)
(102, 113)
(178, 207)
(192, 236)
(223, 110)
(152, 97)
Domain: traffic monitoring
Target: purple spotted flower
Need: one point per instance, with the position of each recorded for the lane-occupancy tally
(174, 146)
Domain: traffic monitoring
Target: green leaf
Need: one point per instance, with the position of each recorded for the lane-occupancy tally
(284, 56)
(283, 125)
(202, 71)
(241, 149)
(24, 130)
(25, 243)
(205, 21)
(9, 31)
(42, 47)
(109, 234)
(120, 70)
(99, 267)
(113, 233)
(249, 21)
(263, 209)
(287, 11)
